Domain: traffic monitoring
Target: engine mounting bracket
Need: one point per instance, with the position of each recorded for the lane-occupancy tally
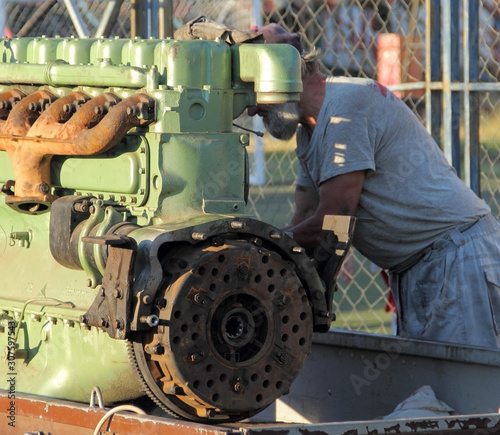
(110, 310)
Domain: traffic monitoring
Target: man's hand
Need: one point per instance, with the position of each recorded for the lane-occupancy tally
(337, 196)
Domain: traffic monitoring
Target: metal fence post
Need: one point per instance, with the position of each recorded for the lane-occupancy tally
(455, 95)
(76, 18)
(433, 69)
(109, 18)
(471, 100)
(165, 19)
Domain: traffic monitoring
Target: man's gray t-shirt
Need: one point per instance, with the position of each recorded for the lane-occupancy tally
(411, 195)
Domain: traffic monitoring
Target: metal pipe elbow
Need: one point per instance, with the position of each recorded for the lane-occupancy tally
(275, 70)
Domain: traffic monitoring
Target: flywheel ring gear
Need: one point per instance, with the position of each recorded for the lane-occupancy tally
(235, 327)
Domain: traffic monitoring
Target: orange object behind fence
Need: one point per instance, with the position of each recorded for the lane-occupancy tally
(399, 61)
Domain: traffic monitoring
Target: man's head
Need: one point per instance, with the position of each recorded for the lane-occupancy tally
(282, 120)
(275, 34)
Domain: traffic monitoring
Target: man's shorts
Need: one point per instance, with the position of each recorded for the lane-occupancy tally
(453, 293)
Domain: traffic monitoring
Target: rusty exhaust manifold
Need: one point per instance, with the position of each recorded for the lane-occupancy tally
(35, 127)
(7, 101)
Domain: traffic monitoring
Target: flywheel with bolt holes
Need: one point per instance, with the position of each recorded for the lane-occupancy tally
(235, 327)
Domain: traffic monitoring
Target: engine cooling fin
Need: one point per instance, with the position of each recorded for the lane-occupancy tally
(235, 327)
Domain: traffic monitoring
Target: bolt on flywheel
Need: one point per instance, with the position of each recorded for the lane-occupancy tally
(234, 331)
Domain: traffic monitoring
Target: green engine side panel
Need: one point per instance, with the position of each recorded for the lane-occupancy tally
(198, 173)
(51, 340)
(62, 360)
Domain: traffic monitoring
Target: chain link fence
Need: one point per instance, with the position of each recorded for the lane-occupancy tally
(52, 18)
(380, 39)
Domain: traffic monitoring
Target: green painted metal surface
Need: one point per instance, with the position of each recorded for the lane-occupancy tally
(175, 175)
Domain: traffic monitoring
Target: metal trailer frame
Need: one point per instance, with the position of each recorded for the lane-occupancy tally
(50, 416)
(352, 376)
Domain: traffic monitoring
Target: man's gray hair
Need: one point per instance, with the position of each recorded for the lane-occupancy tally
(310, 63)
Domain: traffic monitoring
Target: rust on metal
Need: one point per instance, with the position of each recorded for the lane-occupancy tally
(39, 414)
(112, 304)
(23, 114)
(471, 423)
(234, 334)
(35, 127)
(8, 100)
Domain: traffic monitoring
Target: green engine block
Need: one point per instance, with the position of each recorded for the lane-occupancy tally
(127, 259)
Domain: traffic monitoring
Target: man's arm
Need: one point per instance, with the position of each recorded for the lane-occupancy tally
(337, 196)
(306, 203)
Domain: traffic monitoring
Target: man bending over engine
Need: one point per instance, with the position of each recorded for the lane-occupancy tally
(362, 152)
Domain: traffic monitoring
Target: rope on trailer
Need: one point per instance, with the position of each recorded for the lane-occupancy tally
(113, 411)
